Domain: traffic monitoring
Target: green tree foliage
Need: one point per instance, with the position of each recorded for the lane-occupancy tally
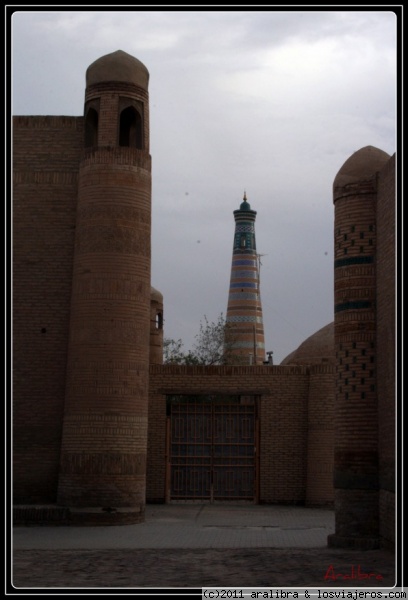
(173, 353)
(214, 345)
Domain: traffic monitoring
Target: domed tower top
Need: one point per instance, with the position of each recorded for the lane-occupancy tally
(360, 167)
(244, 212)
(245, 204)
(116, 107)
(118, 66)
(155, 295)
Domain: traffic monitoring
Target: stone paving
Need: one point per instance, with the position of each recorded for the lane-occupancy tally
(195, 546)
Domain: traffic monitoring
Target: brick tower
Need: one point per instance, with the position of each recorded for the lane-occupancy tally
(103, 452)
(244, 312)
(356, 464)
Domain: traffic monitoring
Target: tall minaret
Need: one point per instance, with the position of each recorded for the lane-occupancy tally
(244, 312)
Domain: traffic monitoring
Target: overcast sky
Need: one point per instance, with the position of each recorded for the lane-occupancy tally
(270, 102)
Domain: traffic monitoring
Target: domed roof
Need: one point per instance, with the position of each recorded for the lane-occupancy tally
(318, 348)
(118, 66)
(361, 166)
(155, 295)
(244, 204)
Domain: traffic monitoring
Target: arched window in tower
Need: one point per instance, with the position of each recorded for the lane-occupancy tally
(246, 240)
(159, 320)
(91, 128)
(130, 133)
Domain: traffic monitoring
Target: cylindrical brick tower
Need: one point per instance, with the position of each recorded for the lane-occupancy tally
(356, 414)
(103, 454)
(245, 333)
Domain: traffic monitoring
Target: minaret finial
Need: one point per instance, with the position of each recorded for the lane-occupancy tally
(245, 198)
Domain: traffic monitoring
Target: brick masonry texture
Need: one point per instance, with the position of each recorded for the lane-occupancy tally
(89, 389)
(387, 342)
(363, 297)
(283, 405)
(296, 417)
(46, 159)
(104, 462)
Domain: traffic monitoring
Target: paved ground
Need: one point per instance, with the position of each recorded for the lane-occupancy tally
(195, 546)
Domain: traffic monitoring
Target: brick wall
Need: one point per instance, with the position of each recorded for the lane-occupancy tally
(320, 436)
(46, 153)
(283, 421)
(283, 436)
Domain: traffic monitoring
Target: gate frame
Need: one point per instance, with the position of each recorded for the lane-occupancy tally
(257, 404)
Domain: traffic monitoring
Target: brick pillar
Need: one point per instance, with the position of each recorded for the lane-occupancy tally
(356, 413)
(103, 455)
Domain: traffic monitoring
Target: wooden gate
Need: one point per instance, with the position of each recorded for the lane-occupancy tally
(211, 448)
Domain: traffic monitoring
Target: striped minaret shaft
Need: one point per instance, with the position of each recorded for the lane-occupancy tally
(245, 332)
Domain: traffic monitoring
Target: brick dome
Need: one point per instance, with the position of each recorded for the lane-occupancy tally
(318, 348)
(118, 66)
(155, 295)
(361, 166)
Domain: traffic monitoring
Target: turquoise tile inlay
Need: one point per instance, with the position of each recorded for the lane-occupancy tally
(353, 260)
(356, 305)
(248, 345)
(243, 296)
(244, 284)
(243, 262)
(242, 319)
(244, 274)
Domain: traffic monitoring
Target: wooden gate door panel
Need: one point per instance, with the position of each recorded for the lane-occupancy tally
(233, 452)
(191, 451)
(212, 451)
